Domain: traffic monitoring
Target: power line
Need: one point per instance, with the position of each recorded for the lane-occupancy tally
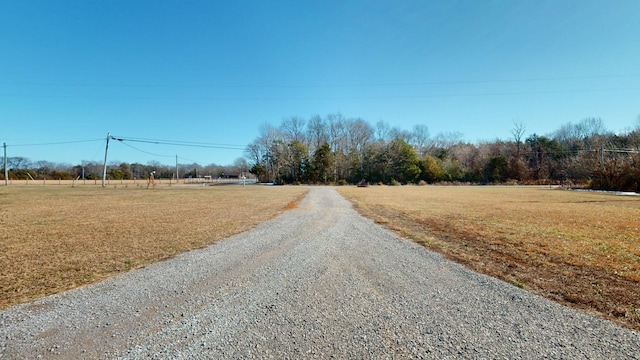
(181, 143)
(382, 84)
(312, 98)
(58, 143)
(184, 158)
(143, 151)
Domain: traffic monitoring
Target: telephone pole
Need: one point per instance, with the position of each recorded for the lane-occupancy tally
(6, 170)
(104, 170)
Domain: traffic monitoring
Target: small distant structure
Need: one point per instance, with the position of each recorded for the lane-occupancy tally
(230, 176)
(363, 183)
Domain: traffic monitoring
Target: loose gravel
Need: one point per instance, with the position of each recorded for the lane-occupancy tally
(318, 281)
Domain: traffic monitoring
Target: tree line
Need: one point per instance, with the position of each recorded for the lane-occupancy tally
(21, 168)
(336, 149)
(339, 150)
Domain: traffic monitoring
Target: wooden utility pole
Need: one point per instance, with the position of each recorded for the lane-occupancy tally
(6, 170)
(104, 170)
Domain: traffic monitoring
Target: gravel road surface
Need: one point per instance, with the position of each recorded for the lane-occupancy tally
(318, 281)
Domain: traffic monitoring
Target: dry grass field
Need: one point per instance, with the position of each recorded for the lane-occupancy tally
(54, 238)
(581, 249)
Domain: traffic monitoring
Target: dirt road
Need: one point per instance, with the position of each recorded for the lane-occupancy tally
(317, 281)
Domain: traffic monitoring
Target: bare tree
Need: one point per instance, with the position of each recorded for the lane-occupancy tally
(293, 129)
(445, 140)
(591, 127)
(316, 133)
(518, 132)
(241, 166)
(254, 152)
(264, 151)
(338, 143)
(18, 163)
(398, 133)
(359, 134)
(419, 137)
(382, 130)
(581, 135)
(567, 134)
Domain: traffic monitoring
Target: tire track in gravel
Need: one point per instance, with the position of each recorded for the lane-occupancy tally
(315, 282)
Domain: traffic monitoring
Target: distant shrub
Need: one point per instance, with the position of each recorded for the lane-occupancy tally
(394, 182)
(342, 182)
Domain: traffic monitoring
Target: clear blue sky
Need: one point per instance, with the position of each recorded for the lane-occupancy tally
(214, 71)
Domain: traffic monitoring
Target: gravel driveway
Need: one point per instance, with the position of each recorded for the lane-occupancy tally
(317, 281)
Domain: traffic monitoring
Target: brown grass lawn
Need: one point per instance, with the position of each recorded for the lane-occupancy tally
(54, 238)
(581, 249)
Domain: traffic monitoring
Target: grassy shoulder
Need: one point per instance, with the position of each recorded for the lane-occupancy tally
(580, 249)
(57, 238)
